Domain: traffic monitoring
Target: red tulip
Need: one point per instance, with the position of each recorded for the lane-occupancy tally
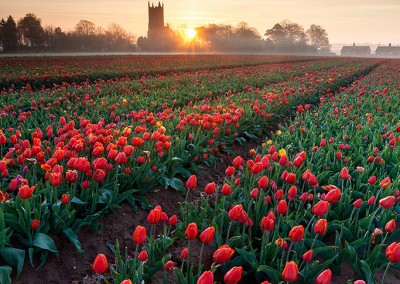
(359, 282)
(206, 278)
(35, 224)
(55, 179)
(25, 191)
(297, 233)
(207, 235)
(191, 183)
(143, 256)
(256, 168)
(169, 265)
(333, 195)
(100, 264)
(267, 224)
(307, 256)
(173, 220)
(325, 277)
(184, 253)
(127, 281)
(65, 199)
(292, 192)
(230, 171)
(344, 174)
(139, 235)
(191, 231)
(290, 272)
(372, 180)
(234, 275)
(71, 176)
(99, 175)
(393, 252)
(357, 203)
(121, 158)
(387, 202)
(210, 188)
(291, 178)
(226, 190)
(281, 208)
(390, 226)
(235, 212)
(223, 254)
(321, 226)
(320, 208)
(154, 216)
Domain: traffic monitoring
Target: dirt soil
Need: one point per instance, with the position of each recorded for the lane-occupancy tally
(71, 267)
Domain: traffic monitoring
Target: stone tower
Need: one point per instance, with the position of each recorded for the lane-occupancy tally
(156, 21)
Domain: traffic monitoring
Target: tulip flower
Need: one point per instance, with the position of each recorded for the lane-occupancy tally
(344, 174)
(154, 216)
(35, 224)
(226, 190)
(267, 224)
(169, 265)
(390, 226)
(359, 282)
(281, 208)
(127, 281)
(385, 183)
(357, 203)
(185, 253)
(333, 195)
(393, 252)
(139, 235)
(100, 264)
(320, 208)
(65, 199)
(223, 254)
(191, 231)
(387, 202)
(372, 180)
(25, 191)
(307, 256)
(320, 227)
(296, 234)
(210, 188)
(324, 277)
(143, 256)
(207, 235)
(290, 272)
(206, 278)
(234, 275)
(263, 182)
(191, 183)
(291, 178)
(235, 212)
(256, 168)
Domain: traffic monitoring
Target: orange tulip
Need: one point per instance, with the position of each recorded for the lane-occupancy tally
(100, 264)
(385, 183)
(290, 272)
(223, 254)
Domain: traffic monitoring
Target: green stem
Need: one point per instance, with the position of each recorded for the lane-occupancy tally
(384, 274)
(229, 230)
(200, 257)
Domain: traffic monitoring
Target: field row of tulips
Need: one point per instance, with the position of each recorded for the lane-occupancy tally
(322, 191)
(49, 70)
(64, 163)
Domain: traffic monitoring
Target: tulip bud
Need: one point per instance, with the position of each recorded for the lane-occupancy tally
(143, 256)
(324, 277)
(191, 231)
(100, 264)
(290, 272)
(234, 275)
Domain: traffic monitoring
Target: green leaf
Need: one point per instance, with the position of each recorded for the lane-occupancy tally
(272, 273)
(43, 241)
(73, 238)
(76, 200)
(5, 272)
(13, 257)
(176, 183)
(369, 276)
(240, 140)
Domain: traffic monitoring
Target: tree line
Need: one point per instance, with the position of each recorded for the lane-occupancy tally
(28, 35)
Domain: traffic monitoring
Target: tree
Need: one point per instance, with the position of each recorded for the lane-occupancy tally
(85, 28)
(118, 38)
(318, 38)
(287, 33)
(9, 37)
(31, 30)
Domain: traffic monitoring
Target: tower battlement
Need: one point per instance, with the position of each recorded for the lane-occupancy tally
(156, 18)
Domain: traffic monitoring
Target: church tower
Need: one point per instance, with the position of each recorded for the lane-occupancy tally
(156, 20)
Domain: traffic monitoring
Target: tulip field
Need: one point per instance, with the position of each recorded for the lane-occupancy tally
(315, 195)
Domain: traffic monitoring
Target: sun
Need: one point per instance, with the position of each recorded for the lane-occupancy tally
(190, 33)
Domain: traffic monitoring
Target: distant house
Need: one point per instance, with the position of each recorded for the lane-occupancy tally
(356, 51)
(388, 51)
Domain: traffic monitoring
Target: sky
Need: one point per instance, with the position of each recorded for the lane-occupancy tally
(346, 21)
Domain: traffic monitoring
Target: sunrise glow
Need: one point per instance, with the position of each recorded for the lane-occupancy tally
(190, 34)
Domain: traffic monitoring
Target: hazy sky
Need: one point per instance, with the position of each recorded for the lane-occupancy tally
(346, 21)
